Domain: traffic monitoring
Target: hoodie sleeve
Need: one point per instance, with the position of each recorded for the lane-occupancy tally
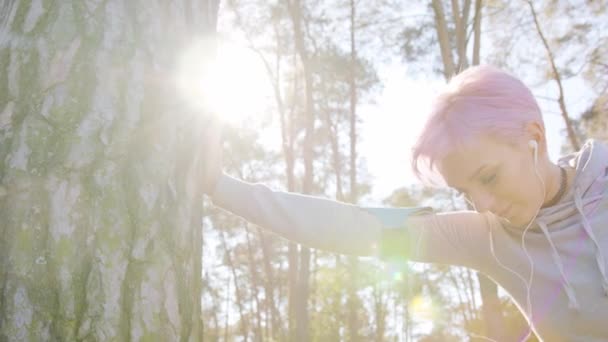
(414, 233)
(459, 238)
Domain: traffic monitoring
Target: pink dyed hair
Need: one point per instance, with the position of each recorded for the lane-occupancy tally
(482, 100)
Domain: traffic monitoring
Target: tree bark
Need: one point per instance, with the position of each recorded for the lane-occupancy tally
(101, 208)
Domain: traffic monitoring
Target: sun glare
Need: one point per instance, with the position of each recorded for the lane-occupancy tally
(422, 308)
(233, 85)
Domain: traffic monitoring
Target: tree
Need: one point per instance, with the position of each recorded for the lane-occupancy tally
(100, 198)
(453, 28)
(594, 121)
(556, 75)
(563, 49)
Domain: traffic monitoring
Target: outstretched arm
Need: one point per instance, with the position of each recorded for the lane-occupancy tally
(457, 238)
(312, 221)
(414, 233)
(454, 238)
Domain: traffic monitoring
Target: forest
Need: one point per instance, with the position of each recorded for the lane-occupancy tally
(105, 233)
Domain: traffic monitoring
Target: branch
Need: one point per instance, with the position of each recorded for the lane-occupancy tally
(556, 76)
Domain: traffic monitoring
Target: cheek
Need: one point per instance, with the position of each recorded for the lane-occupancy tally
(521, 188)
(527, 197)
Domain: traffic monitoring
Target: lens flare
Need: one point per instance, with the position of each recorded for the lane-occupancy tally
(422, 308)
(232, 84)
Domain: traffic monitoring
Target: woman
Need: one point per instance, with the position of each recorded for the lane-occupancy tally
(539, 229)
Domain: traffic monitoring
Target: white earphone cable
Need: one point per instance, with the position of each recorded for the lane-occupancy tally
(527, 283)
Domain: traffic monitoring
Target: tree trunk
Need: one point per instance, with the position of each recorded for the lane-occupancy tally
(492, 315)
(477, 32)
(491, 308)
(558, 80)
(275, 318)
(460, 23)
(243, 322)
(288, 133)
(302, 318)
(443, 39)
(353, 263)
(101, 209)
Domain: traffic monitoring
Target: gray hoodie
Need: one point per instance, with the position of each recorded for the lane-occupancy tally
(567, 244)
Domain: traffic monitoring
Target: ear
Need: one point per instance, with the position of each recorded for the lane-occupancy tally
(536, 131)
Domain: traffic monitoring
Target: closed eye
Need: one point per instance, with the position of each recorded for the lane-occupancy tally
(489, 179)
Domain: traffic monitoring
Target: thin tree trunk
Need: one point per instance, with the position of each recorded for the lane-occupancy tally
(379, 313)
(277, 326)
(444, 39)
(239, 299)
(491, 308)
(227, 309)
(460, 23)
(477, 32)
(332, 135)
(558, 80)
(254, 285)
(353, 105)
(302, 318)
(288, 135)
(287, 142)
(101, 213)
(353, 263)
(462, 303)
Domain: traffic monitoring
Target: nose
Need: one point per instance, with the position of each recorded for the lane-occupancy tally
(482, 201)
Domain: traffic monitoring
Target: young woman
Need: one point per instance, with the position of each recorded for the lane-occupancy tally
(539, 229)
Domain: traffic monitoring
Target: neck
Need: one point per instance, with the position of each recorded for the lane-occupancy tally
(554, 175)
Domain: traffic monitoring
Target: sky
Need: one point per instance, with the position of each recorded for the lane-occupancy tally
(389, 126)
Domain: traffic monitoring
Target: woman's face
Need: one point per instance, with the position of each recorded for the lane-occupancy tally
(496, 177)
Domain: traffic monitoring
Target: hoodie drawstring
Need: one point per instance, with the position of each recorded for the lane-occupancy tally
(572, 301)
(599, 256)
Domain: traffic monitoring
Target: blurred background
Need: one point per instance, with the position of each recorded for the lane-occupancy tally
(104, 115)
(326, 98)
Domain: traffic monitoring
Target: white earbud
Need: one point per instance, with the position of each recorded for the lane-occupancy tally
(534, 146)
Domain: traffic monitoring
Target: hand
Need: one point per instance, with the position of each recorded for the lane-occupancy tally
(211, 158)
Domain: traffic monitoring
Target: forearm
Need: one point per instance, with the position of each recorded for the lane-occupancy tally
(315, 222)
(455, 238)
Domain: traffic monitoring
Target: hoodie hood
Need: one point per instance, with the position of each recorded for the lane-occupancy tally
(591, 164)
(575, 208)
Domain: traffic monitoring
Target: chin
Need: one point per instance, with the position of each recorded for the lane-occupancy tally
(521, 222)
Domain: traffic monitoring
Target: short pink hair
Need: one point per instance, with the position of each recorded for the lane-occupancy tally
(482, 100)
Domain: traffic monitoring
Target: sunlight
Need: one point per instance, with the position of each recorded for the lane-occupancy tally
(234, 85)
(422, 308)
(391, 126)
